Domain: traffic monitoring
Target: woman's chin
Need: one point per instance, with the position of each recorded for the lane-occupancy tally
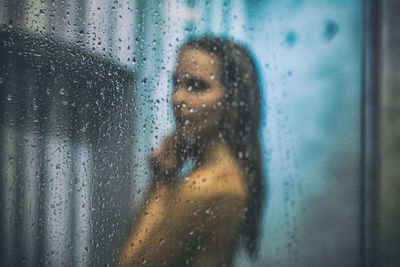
(186, 133)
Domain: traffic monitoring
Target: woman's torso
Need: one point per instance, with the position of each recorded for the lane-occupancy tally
(220, 178)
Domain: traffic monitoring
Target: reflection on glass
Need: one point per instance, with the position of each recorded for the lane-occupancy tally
(207, 190)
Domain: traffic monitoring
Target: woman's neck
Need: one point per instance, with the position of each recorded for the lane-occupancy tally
(210, 148)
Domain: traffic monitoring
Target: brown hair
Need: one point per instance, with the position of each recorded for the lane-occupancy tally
(241, 123)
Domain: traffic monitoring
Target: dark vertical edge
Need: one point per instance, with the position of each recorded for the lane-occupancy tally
(72, 133)
(42, 82)
(8, 117)
(30, 249)
(3, 121)
(369, 136)
(71, 136)
(20, 84)
(12, 108)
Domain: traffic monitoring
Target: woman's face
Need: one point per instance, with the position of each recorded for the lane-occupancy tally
(198, 93)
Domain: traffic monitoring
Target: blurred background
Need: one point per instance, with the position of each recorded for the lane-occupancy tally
(84, 98)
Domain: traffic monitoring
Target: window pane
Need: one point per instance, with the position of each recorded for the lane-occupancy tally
(85, 91)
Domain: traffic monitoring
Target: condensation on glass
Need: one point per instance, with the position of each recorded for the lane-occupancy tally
(85, 98)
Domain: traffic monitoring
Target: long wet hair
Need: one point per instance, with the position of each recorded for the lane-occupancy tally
(241, 123)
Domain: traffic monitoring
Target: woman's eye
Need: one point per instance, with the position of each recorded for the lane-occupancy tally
(196, 86)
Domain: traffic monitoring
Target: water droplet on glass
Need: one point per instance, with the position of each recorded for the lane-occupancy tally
(291, 39)
(331, 30)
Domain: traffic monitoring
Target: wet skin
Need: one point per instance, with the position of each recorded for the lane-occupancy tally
(198, 222)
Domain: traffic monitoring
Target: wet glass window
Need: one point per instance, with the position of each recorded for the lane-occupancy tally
(182, 133)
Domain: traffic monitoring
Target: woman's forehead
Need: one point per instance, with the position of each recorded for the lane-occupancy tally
(197, 62)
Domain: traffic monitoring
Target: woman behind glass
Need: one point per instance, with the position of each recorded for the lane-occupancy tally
(208, 186)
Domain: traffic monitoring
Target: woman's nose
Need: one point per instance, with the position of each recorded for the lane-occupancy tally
(179, 96)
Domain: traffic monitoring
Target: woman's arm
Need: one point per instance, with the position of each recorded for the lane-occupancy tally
(149, 219)
(202, 216)
(176, 227)
(164, 163)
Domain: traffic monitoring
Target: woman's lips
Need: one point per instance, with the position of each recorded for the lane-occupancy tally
(179, 112)
(182, 119)
(178, 119)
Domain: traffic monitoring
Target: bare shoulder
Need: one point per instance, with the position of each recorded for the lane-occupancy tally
(222, 178)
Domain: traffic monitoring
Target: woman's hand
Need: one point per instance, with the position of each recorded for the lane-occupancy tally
(166, 161)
